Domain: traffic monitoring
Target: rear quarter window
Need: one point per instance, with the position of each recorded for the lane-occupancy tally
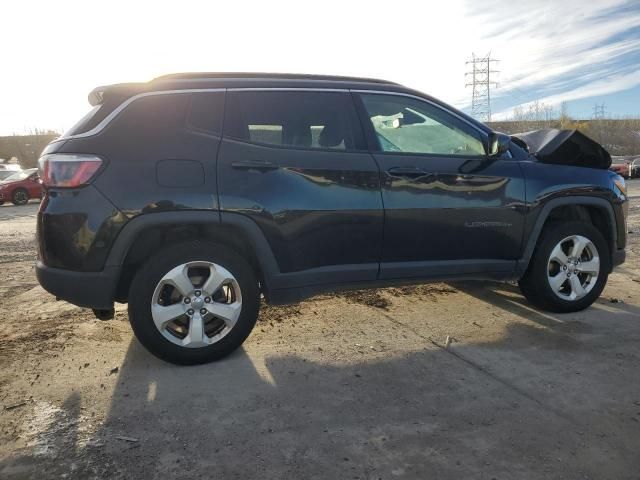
(149, 117)
(206, 112)
(164, 117)
(158, 127)
(97, 114)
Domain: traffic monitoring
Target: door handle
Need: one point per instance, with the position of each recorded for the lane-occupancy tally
(254, 165)
(408, 172)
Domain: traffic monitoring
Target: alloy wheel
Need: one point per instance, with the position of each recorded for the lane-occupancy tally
(20, 197)
(573, 267)
(196, 304)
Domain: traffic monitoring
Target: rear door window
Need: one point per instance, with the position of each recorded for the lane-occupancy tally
(294, 119)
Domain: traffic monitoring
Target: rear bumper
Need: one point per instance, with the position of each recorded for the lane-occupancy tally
(85, 289)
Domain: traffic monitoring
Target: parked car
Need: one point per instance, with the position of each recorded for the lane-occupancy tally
(192, 195)
(623, 169)
(20, 187)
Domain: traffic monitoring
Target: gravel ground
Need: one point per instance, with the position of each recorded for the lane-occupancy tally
(354, 386)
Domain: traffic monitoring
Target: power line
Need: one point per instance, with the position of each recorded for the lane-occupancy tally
(599, 111)
(481, 83)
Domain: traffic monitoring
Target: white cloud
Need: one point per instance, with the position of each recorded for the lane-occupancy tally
(54, 53)
(560, 51)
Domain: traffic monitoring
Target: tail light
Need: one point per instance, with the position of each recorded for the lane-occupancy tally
(68, 170)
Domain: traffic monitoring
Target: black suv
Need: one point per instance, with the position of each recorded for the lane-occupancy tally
(192, 195)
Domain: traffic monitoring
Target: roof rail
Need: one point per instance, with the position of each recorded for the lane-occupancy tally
(257, 75)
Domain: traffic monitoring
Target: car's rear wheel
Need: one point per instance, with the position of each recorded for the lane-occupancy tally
(194, 303)
(20, 197)
(569, 268)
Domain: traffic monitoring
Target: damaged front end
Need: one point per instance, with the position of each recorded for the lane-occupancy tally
(564, 147)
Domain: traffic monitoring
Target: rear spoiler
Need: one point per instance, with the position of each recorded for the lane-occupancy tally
(565, 147)
(122, 90)
(96, 96)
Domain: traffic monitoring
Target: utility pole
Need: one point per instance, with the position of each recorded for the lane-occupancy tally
(599, 111)
(481, 83)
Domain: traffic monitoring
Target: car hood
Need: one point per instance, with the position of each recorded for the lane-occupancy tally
(565, 147)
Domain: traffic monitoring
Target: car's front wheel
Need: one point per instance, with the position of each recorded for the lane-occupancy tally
(194, 302)
(569, 268)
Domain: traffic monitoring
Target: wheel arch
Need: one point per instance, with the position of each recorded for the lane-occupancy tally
(596, 210)
(145, 234)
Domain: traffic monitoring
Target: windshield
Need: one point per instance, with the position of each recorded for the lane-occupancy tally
(16, 176)
(19, 176)
(6, 173)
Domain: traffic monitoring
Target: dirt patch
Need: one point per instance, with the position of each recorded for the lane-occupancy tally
(370, 298)
(428, 291)
(106, 334)
(278, 313)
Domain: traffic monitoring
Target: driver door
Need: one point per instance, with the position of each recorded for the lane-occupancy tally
(449, 209)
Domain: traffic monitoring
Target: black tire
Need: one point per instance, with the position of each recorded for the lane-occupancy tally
(150, 274)
(20, 197)
(535, 285)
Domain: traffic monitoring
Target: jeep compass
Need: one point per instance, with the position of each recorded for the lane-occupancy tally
(193, 196)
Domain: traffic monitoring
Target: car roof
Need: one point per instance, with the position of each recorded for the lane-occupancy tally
(231, 80)
(206, 80)
(230, 76)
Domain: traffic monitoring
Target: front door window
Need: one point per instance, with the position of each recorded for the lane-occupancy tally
(404, 124)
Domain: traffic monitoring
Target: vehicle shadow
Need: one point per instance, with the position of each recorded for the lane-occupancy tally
(429, 413)
(508, 297)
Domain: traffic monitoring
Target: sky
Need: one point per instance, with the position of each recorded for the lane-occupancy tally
(577, 51)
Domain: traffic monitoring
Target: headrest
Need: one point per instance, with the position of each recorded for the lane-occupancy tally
(331, 135)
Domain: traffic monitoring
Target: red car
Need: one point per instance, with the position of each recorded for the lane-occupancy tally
(20, 187)
(621, 169)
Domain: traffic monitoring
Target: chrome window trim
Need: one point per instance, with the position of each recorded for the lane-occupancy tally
(109, 118)
(287, 89)
(422, 99)
(116, 111)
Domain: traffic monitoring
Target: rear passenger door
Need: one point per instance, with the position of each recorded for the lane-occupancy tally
(295, 162)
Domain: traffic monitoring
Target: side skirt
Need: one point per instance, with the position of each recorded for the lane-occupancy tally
(409, 273)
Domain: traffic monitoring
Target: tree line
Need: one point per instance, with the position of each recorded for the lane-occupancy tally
(620, 136)
(25, 149)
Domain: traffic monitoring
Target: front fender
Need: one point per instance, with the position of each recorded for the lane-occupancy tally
(543, 210)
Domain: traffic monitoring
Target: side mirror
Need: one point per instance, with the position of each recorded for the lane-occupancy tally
(497, 144)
